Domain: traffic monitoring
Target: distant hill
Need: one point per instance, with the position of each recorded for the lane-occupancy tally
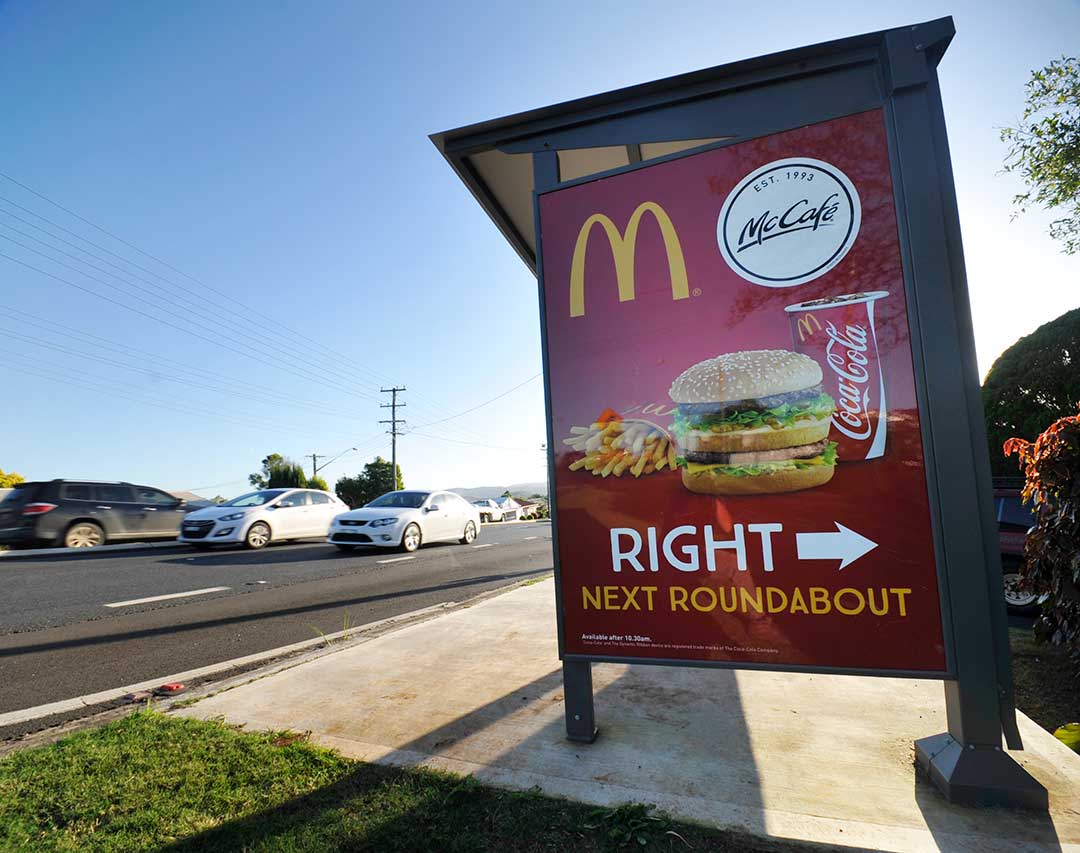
(522, 489)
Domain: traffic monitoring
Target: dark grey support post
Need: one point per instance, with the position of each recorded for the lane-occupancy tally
(578, 696)
(577, 674)
(967, 763)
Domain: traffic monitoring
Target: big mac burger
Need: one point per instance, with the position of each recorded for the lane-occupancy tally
(753, 422)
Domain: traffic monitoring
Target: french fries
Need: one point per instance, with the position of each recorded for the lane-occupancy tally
(615, 446)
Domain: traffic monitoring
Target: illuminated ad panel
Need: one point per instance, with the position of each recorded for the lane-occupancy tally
(739, 458)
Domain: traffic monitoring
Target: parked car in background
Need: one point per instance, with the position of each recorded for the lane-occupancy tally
(84, 514)
(258, 518)
(407, 519)
(489, 510)
(1014, 520)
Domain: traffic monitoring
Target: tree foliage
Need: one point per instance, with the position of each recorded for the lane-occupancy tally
(317, 482)
(1032, 384)
(1052, 472)
(1044, 148)
(10, 479)
(261, 479)
(368, 485)
(286, 474)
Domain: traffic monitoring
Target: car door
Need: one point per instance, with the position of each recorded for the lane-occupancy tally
(323, 511)
(292, 518)
(163, 511)
(448, 516)
(116, 507)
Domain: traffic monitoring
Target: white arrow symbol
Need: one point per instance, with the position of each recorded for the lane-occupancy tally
(846, 545)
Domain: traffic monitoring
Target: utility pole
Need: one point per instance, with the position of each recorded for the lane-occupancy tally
(315, 457)
(393, 406)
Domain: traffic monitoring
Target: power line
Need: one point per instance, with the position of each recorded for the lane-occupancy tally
(481, 405)
(216, 342)
(156, 373)
(472, 443)
(257, 346)
(105, 385)
(247, 308)
(130, 352)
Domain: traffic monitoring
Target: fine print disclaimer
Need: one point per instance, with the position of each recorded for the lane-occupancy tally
(637, 639)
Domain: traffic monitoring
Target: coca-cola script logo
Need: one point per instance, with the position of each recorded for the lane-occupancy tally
(846, 356)
(789, 222)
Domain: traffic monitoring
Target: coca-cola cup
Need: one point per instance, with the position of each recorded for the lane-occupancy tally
(838, 333)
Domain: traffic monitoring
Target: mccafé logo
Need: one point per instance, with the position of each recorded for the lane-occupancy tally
(809, 203)
(622, 250)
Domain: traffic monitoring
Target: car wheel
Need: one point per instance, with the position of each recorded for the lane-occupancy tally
(410, 539)
(1018, 600)
(84, 534)
(258, 536)
(345, 547)
(469, 536)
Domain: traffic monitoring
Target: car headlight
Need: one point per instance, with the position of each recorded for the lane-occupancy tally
(382, 522)
(236, 516)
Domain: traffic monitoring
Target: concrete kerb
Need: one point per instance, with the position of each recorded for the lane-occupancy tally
(100, 707)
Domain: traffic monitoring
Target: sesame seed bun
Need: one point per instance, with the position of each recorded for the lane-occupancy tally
(745, 375)
(714, 482)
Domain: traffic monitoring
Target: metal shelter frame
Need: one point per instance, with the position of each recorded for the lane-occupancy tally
(894, 70)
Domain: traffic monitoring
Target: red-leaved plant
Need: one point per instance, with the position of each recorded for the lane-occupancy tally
(1051, 466)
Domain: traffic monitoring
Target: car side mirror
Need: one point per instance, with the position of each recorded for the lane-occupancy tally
(432, 508)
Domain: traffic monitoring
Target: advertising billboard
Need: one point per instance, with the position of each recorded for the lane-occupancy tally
(739, 468)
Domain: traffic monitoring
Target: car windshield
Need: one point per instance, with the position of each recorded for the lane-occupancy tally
(406, 500)
(255, 498)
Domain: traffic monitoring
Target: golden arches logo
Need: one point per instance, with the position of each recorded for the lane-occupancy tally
(622, 250)
(803, 325)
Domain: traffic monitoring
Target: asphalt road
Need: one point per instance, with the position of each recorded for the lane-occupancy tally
(60, 639)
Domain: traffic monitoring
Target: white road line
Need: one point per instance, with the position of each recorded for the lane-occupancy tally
(527, 538)
(395, 560)
(488, 545)
(166, 597)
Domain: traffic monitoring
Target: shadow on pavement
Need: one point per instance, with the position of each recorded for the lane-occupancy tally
(30, 648)
(705, 755)
(955, 827)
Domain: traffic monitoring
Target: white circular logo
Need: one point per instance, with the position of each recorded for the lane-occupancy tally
(789, 222)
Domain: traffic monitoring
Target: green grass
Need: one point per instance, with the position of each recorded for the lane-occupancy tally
(1047, 683)
(150, 781)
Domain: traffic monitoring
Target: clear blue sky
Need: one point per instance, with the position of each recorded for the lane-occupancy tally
(278, 152)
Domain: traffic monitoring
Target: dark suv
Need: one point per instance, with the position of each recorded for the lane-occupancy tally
(81, 514)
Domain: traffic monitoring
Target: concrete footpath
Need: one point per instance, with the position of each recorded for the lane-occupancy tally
(826, 759)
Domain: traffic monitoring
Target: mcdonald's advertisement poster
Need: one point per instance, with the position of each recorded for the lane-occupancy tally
(739, 472)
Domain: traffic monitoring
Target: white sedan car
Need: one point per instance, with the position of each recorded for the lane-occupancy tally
(261, 517)
(405, 520)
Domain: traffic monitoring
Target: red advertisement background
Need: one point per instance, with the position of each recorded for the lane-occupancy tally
(626, 354)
